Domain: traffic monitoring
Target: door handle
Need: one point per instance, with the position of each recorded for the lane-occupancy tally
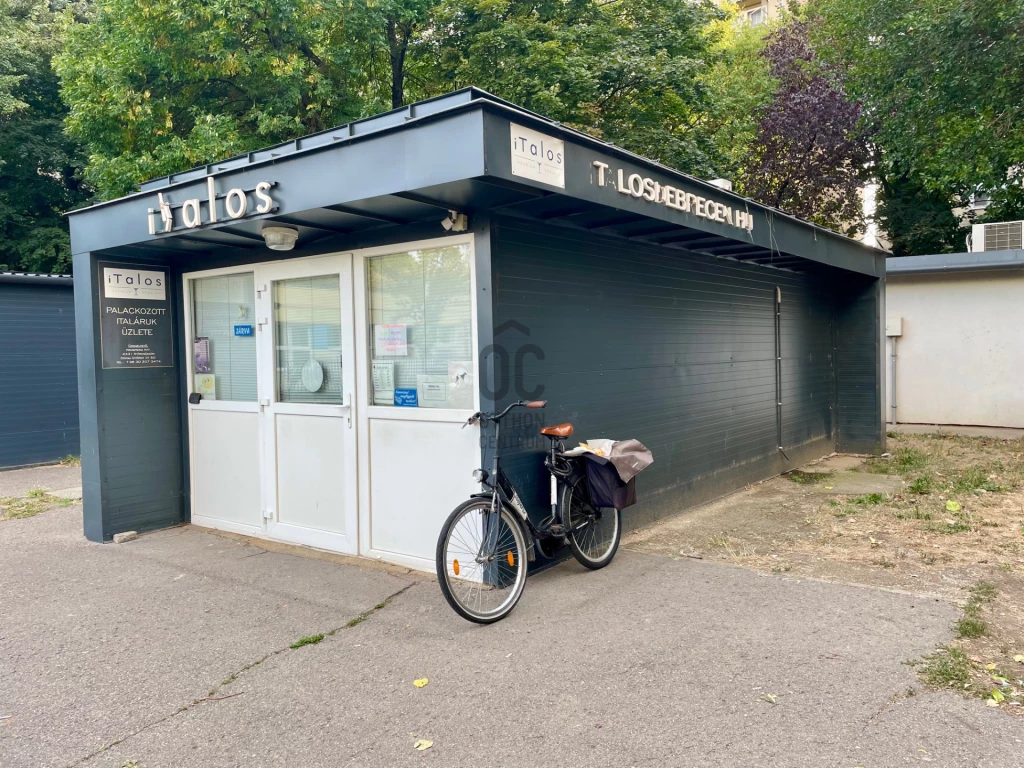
(347, 402)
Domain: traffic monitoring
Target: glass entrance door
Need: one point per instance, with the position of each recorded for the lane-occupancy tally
(307, 385)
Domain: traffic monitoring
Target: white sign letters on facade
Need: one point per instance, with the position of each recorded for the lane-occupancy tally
(236, 206)
(652, 191)
(538, 157)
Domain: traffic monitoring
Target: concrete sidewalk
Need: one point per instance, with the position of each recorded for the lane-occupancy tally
(173, 650)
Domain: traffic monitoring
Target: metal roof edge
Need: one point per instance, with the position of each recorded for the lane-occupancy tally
(31, 277)
(714, 189)
(954, 262)
(478, 98)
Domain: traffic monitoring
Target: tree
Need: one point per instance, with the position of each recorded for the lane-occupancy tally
(628, 71)
(916, 220)
(942, 81)
(157, 86)
(740, 85)
(810, 153)
(40, 166)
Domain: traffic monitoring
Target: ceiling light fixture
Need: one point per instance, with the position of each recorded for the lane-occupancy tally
(280, 238)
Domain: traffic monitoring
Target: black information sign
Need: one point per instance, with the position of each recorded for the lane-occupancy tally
(135, 316)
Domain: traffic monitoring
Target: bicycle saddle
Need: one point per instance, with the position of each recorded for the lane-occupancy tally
(558, 430)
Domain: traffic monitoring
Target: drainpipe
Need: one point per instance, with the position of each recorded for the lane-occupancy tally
(892, 380)
(778, 370)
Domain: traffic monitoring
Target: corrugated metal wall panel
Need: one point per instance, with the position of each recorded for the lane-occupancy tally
(675, 349)
(858, 375)
(38, 374)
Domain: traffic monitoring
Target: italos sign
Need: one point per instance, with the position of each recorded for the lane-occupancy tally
(652, 191)
(237, 205)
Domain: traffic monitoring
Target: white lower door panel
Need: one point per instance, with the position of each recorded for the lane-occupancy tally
(226, 469)
(419, 472)
(310, 472)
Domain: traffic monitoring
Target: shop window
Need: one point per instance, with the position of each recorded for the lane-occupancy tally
(223, 344)
(421, 328)
(307, 334)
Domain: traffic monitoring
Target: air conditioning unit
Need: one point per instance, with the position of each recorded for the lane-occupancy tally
(1003, 236)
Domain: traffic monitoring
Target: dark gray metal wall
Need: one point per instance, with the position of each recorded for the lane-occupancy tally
(38, 380)
(673, 348)
(131, 426)
(860, 313)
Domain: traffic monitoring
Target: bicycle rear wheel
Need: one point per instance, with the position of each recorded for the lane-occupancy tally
(480, 586)
(593, 533)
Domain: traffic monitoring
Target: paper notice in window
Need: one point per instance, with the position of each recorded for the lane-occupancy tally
(390, 339)
(383, 382)
(433, 391)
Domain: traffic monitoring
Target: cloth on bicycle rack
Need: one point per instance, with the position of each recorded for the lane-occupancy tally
(628, 457)
(607, 489)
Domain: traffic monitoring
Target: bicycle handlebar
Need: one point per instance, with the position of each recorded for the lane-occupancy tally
(481, 416)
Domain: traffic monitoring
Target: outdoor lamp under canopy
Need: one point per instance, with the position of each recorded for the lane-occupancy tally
(280, 238)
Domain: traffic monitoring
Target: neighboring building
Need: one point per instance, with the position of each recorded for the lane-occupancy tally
(954, 322)
(38, 373)
(760, 11)
(451, 256)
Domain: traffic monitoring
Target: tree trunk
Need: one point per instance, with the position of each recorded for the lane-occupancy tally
(398, 43)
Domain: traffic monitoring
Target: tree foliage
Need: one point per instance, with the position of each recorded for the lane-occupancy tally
(40, 165)
(155, 86)
(741, 86)
(941, 80)
(810, 151)
(628, 71)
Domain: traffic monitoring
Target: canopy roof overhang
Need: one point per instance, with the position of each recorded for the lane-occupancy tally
(413, 165)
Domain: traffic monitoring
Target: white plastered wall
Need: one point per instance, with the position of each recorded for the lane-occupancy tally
(960, 359)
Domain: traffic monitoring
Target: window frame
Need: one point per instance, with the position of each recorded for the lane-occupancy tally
(362, 296)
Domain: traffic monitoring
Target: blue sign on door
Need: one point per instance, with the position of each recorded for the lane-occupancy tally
(406, 397)
(243, 330)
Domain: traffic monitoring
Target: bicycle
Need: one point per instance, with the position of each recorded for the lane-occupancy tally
(485, 543)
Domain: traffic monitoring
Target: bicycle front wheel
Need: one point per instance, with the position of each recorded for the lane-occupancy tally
(593, 533)
(480, 585)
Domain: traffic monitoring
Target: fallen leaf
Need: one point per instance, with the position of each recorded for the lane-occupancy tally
(953, 506)
(1019, 657)
(990, 667)
(422, 744)
(992, 702)
(421, 682)
(828, 487)
(767, 697)
(997, 696)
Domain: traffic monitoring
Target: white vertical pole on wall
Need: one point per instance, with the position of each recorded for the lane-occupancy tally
(892, 380)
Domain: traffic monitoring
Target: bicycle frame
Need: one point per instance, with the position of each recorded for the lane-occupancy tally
(503, 494)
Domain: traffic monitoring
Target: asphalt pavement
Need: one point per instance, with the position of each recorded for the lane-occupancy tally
(174, 650)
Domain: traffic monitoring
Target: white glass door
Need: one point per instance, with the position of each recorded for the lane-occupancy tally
(307, 383)
(225, 425)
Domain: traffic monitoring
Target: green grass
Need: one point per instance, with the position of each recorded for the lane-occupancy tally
(973, 479)
(37, 493)
(908, 459)
(972, 624)
(983, 592)
(71, 461)
(810, 478)
(19, 509)
(948, 668)
(870, 498)
(922, 485)
(308, 640)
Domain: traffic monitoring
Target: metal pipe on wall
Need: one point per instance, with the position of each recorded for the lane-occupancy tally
(892, 380)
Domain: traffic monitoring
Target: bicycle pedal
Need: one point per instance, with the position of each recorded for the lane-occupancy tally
(557, 529)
